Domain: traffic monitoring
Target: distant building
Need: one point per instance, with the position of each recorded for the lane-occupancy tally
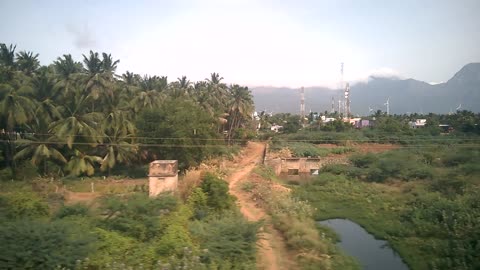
(276, 128)
(363, 123)
(352, 121)
(418, 123)
(445, 128)
(327, 119)
(162, 176)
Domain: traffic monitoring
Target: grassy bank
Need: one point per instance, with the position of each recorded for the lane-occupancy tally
(425, 204)
(313, 247)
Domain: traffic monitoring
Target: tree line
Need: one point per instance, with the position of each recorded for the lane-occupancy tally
(80, 118)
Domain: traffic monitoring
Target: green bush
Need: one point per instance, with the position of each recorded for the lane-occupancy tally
(26, 171)
(29, 244)
(23, 205)
(462, 156)
(449, 186)
(228, 238)
(350, 171)
(6, 174)
(363, 160)
(78, 209)
(217, 192)
(423, 172)
(137, 215)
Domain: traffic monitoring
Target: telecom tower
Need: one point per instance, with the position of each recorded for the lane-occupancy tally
(333, 105)
(341, 87)
(302, 103)
(347, 101)
(388, 105)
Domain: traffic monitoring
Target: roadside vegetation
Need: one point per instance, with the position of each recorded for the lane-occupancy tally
(127, 231)
(424, 201)
(293, 218)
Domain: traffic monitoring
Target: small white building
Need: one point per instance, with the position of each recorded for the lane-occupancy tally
(162, 176)
(418, 123)
(327, 119)
(276, 128)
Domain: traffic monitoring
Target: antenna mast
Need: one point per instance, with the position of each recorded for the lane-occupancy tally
(341, 88)
(347, 102)
(302, 103)
(388, 106)
(333, 105)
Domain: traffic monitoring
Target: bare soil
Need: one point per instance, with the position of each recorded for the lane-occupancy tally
(272, 253)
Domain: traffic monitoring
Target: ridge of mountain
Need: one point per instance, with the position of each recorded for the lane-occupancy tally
(405, 95)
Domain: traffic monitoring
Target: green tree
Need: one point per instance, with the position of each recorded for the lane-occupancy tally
(27, 62)
(29, 244)
(180, 130)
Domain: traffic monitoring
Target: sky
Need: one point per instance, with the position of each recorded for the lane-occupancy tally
(255, 43)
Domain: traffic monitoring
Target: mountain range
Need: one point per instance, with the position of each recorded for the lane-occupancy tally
(404, 95)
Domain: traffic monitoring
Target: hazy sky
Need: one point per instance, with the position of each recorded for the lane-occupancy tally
(280, 43)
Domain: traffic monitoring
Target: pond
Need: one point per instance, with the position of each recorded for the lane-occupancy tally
(371, 253)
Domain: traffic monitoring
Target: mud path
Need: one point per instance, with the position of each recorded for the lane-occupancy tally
(272, 252)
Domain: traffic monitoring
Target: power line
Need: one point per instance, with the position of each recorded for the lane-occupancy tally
(282, 140)
(220, 146)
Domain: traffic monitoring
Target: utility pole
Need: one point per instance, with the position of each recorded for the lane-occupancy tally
(347, 100)
(302, 104)
(341, 88)
(333, 105)
(388, 105)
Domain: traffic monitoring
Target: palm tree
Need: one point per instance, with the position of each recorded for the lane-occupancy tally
(241, 106)
(7, 62)
(217, 92)
(131, 78)
(46, 93)
(16, 109)
(81, 163)
(120, 148)
(38, 146)
(78, 124)
(214, 79)
(27, 62)
(184, 83)
(67, 71)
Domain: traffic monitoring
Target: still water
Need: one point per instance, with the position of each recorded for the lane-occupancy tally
(371, 253)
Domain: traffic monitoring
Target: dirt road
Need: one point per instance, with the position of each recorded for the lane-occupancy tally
(272, 252)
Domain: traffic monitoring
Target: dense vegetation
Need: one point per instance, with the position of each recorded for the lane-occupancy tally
(427, 206)
(83, 119)
(293, 218)
(206, 231)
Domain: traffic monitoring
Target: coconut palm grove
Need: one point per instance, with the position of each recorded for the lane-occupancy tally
(81, 118)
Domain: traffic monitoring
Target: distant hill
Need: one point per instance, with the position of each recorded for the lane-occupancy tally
(406, 95)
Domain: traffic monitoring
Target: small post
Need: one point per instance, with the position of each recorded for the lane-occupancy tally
(92, 187)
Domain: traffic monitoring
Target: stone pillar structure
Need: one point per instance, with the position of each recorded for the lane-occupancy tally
(162, 176)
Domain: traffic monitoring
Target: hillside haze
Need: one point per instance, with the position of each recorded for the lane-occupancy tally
(406, 95)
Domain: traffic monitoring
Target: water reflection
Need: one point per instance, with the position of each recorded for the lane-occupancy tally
(373, 254)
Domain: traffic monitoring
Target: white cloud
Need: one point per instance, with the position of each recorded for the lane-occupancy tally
(246, 43)
(83, 36)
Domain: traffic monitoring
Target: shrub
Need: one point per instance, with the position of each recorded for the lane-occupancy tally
(227, 238)
(455, 158)
(421, 173)
(363, 160)
(6, 174)
(28, 244)
(24, 205)
(26, 171)
(449, 186)
(217, 192)
(72, 210)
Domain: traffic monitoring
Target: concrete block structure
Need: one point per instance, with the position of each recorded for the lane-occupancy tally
(162, 176)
